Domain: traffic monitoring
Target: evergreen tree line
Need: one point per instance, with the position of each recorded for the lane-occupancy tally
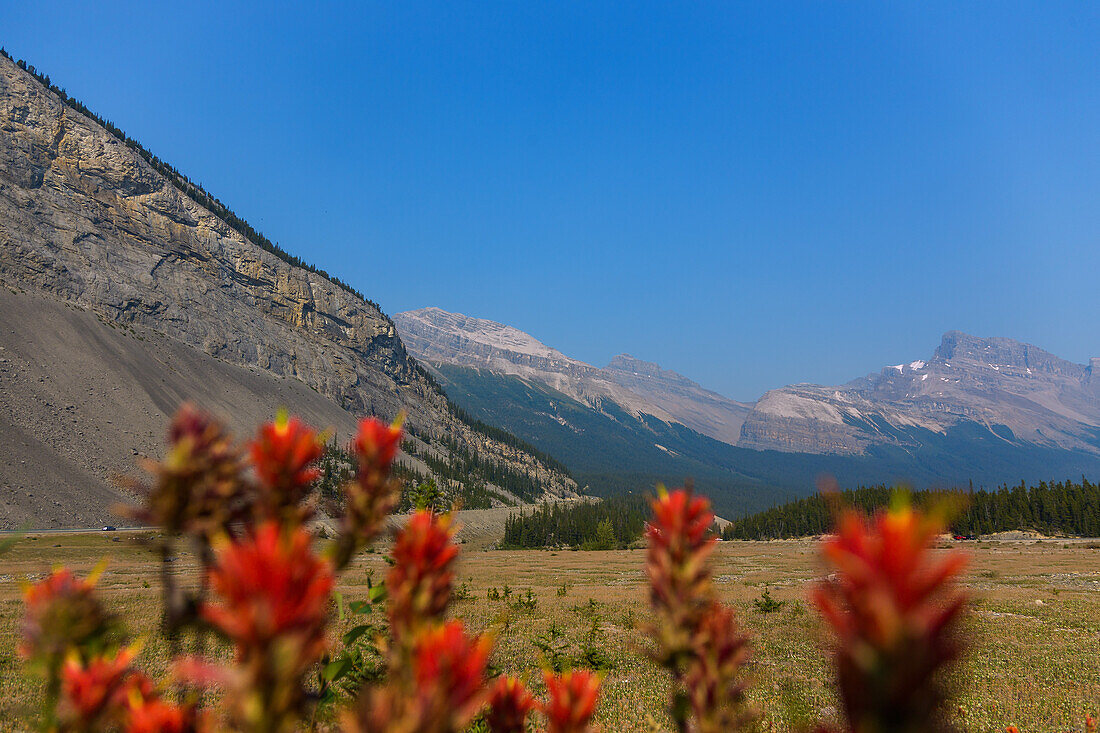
(598, 525)
(1064, 507)
(242, 227)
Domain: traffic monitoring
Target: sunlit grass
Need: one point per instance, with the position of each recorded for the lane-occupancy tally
(1031, 664)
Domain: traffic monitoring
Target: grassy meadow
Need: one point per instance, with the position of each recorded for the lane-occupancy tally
(1033, 660)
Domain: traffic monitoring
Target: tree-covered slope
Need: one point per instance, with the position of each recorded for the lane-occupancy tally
(613, 452)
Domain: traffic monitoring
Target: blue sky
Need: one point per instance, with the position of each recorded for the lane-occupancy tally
(751, 194)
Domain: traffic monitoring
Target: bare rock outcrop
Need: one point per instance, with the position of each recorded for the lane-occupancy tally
(85, 219)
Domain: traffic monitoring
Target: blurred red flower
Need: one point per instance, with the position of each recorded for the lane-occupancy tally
(274, 595)
(199, 487)
(377, 442)
(270, 584)
(438, 689)
(62, 614)
(895, 607)
(96, 693)
(677, 564)
(419, 583)
(157, 716)
(373, 494)
(509, 705)
(572, 702)
(284, 454)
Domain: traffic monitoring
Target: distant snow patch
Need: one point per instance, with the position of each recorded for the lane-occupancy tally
(918, 364)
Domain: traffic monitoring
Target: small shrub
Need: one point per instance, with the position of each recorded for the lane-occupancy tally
(766, 604)
(527, 602)
(592, 655)
(553, 648)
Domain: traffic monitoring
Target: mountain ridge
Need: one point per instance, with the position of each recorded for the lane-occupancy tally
(87, 220)
(988, 410)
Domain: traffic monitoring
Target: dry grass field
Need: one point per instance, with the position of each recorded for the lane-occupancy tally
(1035, 623)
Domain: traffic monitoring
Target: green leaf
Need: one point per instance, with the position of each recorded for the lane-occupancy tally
(351, 636)
(336, 670)
(360, 607)
(339, 605)
(377, 593)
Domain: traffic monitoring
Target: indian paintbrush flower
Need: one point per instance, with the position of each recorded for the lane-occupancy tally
(572, 702)
(419, 583)
(373, 493)
(274, 595)
(198, 488)
(439, 690)
(894, 608)
(698, 639)
(284, 455)
(509, 706)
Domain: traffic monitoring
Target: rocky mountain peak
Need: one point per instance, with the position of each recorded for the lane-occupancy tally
(1003, 353)
(634, 365)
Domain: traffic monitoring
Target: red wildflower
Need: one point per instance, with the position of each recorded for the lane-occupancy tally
(96, 694)
(377, 443)
(509, 705)
(154, 715)
(270, 584)
(199, 487)
(449, 669)
(373, 494)
(572, 703)
(697, 637)
(440, 691)
(419, 583)
(274, 595)
(712, 675)
(62, 614)
(895, 609)
(677, 564)
(284, 454)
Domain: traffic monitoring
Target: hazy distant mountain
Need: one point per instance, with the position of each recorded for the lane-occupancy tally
(1017, 392)
(987, 410)
(696, 407)
(637, 387)
(128, 289)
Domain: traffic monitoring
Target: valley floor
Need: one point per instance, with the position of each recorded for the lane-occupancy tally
(1035, 623)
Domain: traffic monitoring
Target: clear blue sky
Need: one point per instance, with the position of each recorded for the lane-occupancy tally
(750, 194)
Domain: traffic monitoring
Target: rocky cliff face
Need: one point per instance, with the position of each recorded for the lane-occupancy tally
(996, 383)
(86, 220)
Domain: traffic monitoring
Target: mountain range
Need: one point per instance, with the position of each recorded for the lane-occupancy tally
(127, 289)
(987, 410)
